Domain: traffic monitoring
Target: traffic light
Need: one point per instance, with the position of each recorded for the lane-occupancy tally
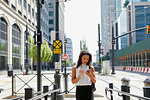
(39, 37)
(148, 29)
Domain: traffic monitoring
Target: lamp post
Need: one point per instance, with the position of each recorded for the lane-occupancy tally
(27, 64)
(99, 45)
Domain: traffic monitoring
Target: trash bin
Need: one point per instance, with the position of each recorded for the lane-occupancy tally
(106, 67)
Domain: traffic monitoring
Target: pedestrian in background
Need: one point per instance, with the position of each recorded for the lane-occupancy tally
(83, 76)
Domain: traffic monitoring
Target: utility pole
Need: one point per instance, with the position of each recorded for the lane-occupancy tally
(39, 42)
(27, 63)
(65, 72)
(113, 42)
(57, 59)
(57, 56)
(99, 45)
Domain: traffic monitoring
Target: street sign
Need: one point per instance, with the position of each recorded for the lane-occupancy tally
(57, 47)
(57, 65)
(123, 58)
(65, 57)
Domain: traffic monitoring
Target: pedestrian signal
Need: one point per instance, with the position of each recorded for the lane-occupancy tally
(148, 29)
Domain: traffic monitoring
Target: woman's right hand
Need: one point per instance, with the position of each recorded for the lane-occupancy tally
(81, 73)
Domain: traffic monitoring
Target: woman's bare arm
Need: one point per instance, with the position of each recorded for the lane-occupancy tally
(74, 79)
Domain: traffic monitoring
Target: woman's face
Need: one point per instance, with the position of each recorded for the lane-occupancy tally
(85, 59)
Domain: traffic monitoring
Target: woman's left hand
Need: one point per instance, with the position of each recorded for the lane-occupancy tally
(88, 73)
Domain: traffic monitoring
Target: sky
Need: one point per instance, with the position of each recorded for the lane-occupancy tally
(81, 22)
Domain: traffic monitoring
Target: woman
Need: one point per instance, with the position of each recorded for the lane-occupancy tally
(83, 76)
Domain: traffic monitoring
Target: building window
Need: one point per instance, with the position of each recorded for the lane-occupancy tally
(36, 16)
(13, 7)
(51, 22)
(16, 39)
(6, 1)
(25, 17)
(32, 12)
(3, 35)
(19, 12)
(16, 63)
(50, 5)
(29, 8)
(29, 20)
(25, 4)
(20, 1)
(51, 29)
(51, 13)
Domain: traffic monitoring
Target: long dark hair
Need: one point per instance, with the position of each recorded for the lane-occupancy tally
(82, 53)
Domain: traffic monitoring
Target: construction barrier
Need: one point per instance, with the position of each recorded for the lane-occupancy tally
(134, 69)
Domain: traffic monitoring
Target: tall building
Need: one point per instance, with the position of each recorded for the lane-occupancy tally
(138, 18)
(14, 16)
(52, 19)
(69, 50)
(44, 21)
(120, 26)
(136, 15)
(108, 16)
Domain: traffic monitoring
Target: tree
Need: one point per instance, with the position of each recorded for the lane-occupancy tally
(125, 4)
(84, 46)
(67, 62)
(46, 52)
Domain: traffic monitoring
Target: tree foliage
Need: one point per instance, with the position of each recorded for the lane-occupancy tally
(67, 62)
(46, 52)
(84, 46)
(126, 4)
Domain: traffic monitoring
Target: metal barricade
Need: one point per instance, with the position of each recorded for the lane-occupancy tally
(123, 93)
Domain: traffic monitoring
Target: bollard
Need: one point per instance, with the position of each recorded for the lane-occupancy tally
(57, 78)
(66, 82)
(57, 95)
(28, 93)
(146, 88)
(54, 95)
(10, 73)
(45, 89)
(125, 88)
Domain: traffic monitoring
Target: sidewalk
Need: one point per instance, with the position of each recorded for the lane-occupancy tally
(102, 82)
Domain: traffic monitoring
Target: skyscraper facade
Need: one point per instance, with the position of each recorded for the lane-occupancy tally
(108, 16)
(69, 50)
(138, 18)
(52, 17)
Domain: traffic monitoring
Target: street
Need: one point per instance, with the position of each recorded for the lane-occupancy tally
(136, 83)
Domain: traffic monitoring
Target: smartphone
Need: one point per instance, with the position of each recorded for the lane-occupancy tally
(88, 70)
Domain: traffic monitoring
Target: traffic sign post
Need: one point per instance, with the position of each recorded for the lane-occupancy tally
(65, 57)
(57, 47)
